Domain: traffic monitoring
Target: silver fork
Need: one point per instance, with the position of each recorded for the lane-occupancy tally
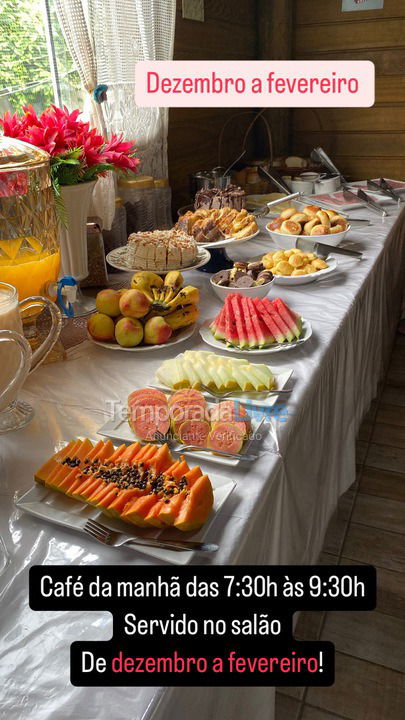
(217, 394)
(116, 539)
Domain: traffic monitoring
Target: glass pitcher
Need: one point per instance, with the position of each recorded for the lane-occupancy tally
(29, 245)
(16, 358)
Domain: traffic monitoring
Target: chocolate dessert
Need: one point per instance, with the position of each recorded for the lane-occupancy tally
(215, 199)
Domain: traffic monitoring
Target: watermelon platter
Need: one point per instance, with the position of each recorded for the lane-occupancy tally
(256, 326)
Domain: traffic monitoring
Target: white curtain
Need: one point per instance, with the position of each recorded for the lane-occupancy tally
(124, 32)
(106, 38)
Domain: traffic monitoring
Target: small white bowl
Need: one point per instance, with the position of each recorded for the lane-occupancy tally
(286, 242)
(260, 291)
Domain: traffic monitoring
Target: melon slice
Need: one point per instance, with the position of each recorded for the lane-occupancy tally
(196, 506)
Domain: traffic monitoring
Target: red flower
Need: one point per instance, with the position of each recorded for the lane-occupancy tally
(58, 131)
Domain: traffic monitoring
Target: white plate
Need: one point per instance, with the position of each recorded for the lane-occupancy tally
(228, 241)
(59, 502)
(305, 279)
(208, 337)
(286, 242)
(117, 258)
(118, 429)
(176, 338)
(281, 376)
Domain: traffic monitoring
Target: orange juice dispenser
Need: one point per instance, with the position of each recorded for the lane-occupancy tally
(29, 245)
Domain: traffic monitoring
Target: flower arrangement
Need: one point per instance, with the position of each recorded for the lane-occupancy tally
(78, 153)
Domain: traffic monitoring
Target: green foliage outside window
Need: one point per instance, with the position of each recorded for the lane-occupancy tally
(25, 76)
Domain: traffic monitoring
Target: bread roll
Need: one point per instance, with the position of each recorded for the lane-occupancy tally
(335, 229)
(324, 218)
(289, 227)
(311, 210)
(289, 212)
(311, 223)
(331, 214)
(299, 217)
(320, 230)
(275, 224)
(338, 219)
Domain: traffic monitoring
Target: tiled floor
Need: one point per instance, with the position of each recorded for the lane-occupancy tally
(368, 527)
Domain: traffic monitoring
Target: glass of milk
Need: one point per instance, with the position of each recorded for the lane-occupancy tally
(16, 358)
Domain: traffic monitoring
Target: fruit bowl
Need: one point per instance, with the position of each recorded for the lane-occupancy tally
(286, 242)
(260, 291)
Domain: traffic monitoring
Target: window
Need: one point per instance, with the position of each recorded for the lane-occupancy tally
(36, 67)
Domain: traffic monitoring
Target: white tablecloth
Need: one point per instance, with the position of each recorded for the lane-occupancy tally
(278, 512)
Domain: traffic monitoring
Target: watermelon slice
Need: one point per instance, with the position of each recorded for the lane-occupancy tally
(269, 320)
(236, 304)
(254, 339)
(218, 326)
(285, 329)
(292, 320)
(261, 329)
(231, 333)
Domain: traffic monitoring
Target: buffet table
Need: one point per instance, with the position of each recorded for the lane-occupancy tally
(278, 512)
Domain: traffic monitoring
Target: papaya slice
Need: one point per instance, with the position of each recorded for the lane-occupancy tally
(50, 480)
(117, 453)
(66, 474)
(100, 452)
(139, 509)
(45, 470)
(123, 498)
(161, 460)
(180, 470)
(168, 511)
(196, 506)
(100, 492)
(130, 453)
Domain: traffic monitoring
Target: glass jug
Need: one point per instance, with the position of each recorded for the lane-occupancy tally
(16, 358)
(29, 245)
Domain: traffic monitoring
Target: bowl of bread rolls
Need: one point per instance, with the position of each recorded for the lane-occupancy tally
(312, 222)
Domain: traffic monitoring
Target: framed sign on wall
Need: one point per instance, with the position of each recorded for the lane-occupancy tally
(350, 5)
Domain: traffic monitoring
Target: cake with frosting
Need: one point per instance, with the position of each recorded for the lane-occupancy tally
(215, 199)
(161, 250)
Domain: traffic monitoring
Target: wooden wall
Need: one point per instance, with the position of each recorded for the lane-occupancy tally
(242, 30)
(364, 142)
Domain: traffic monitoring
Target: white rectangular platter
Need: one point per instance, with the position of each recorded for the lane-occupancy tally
(60, 503)
(118, 430)
(281, 376)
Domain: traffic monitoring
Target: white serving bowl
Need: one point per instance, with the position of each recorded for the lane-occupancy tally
(260, 291)
(286, 242)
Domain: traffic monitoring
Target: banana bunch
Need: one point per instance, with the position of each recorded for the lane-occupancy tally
(149, 283)
(182, 317)
(178, 305)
